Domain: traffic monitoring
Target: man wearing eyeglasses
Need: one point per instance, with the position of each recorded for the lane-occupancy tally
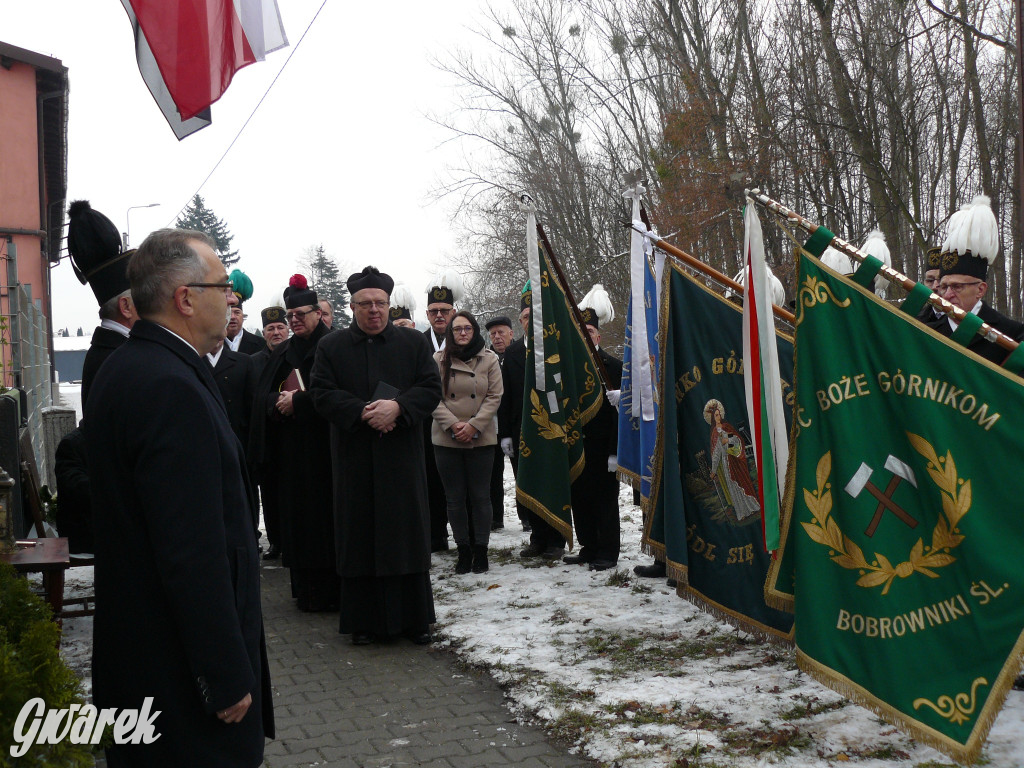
(443, 293)
(969, 250)
(291, 453)
(378, 386)
(177, 568)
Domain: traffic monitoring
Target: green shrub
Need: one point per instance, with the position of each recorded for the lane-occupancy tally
(30, 667)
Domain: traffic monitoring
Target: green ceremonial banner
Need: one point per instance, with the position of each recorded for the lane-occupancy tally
(706, 518)
(902, 538)
(551, 441)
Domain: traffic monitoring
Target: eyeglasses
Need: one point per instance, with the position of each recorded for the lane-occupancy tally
(956, 288)
(368, 304)
(299, 314)
(226, 287)
(462, 330)
(439, 311)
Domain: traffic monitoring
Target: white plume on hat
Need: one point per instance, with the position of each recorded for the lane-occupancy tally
(775, 287)
(402, 296)
(450, 279)
(598, 300)
(974, 228)
(876, 246)
(837, 261)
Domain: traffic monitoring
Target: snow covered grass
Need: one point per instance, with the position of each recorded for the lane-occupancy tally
(634, 676)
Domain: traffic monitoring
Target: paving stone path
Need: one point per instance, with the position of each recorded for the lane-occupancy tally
(381, 705)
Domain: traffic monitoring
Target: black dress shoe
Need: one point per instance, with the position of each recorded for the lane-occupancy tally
(419, 638)
(601, 565)
(531, 550)
(576, 559)
(671, 583)
(653, 571)
(273, 553)
(439, 546)
(361, 638)
(553, 553)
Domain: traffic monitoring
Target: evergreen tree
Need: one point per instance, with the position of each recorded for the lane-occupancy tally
(200, 218)
(324, 277)
(80, 332)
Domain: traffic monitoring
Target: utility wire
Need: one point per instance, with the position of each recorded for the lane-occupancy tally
(213, 170)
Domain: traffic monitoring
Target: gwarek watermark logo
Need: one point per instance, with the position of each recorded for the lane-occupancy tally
(82, 724)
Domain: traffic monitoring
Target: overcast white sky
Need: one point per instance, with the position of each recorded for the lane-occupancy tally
(340, 152)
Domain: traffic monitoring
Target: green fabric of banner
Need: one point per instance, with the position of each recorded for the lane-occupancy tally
(967, 329)
(1015, 362)
(902, 536)
(916, 299)
(819, 241)
(865, 273)
(554, 411)
(706, 515)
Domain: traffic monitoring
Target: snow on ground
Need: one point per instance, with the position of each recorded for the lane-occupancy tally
(637, 677)
(632, 675)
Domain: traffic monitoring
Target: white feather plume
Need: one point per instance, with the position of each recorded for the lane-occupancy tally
(598, 300)
(837, 261)
(402, 296)
(775, 286)
(974, 228)
(451, 280)
(877, 247)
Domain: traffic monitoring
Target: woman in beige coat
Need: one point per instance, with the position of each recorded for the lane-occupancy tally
(464, 434)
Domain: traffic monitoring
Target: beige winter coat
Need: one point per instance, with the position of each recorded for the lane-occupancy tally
(474, 391)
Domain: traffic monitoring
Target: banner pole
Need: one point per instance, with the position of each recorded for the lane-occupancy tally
(714, 274)
(985, 331)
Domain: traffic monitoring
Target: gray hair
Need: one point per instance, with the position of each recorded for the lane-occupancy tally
(111, 308)
(165, 261)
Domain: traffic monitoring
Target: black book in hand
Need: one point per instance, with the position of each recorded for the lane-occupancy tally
(385, 391)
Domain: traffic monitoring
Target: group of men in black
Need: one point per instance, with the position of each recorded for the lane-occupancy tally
(284, 421)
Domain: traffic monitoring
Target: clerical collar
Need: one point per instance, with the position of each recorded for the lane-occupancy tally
(113, 325)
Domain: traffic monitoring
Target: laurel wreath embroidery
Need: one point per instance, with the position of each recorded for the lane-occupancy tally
(956, 502)
(548, 429)
(813, 292)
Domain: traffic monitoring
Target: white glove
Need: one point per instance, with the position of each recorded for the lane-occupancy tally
(506, 446)
(613, 462)
(613, 396)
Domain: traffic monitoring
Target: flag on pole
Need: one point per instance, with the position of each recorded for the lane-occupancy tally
(705, 519)
(561, 394)
(902, 535)
(189, 50)
(638, 404)
(762, 383)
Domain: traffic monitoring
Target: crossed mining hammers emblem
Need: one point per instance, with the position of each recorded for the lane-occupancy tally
(862, 481)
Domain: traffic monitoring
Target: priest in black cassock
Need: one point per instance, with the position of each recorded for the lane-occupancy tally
(377, 385)
(289, 451)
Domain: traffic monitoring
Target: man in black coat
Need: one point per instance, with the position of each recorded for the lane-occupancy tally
(595, 492)
(235, 374)
(966, 255)
(178, 614)
(378, 386)
(94, 245)
(289, 446)
(500, 330)
(444, 291)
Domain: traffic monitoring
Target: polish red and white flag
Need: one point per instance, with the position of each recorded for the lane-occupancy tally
(189, 50)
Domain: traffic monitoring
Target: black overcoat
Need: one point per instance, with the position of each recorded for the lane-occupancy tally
(513, 378)
(178, 612)
(251, 343)
(381, 515)
(235, 374)
(104, 342)
(987, 349)
(294, 454)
